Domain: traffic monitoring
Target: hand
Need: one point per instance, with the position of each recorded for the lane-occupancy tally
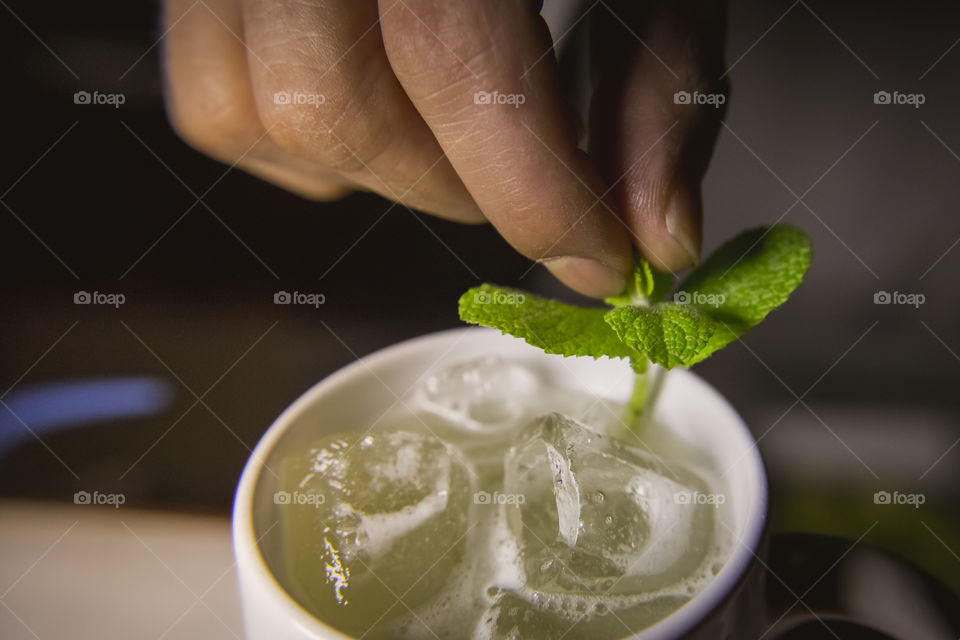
(454, 107)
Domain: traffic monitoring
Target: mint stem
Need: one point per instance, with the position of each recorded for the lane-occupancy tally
(646, 389)
(638, 399)
(656, 385)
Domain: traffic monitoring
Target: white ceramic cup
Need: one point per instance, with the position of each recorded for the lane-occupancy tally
(358, 395)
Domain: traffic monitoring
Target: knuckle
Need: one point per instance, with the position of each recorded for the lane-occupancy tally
(332, 128)
(212, 121)
(347, 145)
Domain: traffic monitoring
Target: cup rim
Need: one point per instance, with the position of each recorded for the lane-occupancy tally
(248, 553)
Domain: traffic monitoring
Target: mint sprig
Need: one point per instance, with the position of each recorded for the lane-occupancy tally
(730, 292)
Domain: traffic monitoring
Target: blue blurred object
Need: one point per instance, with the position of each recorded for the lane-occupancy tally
(58, 406)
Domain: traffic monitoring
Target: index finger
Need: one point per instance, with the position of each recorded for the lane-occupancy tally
(483, 76)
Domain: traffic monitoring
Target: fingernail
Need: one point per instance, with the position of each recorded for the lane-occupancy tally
(681, 225)
(586, 276)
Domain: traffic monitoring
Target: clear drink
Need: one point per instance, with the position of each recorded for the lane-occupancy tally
(501, 507)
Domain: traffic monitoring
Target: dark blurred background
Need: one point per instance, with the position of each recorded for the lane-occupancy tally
(848, 397)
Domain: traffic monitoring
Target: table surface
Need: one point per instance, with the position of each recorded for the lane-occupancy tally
(80, 571)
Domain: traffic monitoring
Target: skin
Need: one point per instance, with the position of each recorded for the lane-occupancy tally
(392, 109)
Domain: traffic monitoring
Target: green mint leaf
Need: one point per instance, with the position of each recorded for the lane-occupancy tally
(645, 286)
(745, 279)
(552, 326)
(754, 273)
(668, 334)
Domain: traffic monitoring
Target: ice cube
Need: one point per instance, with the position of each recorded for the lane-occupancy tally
(368, 519)
(513, 618)
(480, 396)
(600, 516)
